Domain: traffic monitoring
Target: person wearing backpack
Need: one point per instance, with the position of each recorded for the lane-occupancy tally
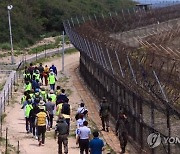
(62, 130)
(104, 114)
(81, 110)
(66, 111)
(32, 115)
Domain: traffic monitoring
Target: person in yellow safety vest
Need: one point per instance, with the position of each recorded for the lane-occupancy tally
(58, 109)
(27, 75)
(37, 75)
(31, 94)
(28, 86)
(66, 112)
(58, 90)
(52, 96)
(52, 79)
(28, 108)
(43, 94)
(41, 123)
(23, 98)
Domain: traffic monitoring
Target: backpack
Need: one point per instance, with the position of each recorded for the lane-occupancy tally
(65, 109)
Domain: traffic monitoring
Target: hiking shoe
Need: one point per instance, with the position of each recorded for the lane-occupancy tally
(40, 143)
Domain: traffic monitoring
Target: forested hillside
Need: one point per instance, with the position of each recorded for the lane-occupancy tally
(32, 19)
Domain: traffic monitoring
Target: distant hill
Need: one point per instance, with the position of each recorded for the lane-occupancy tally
(32, 19)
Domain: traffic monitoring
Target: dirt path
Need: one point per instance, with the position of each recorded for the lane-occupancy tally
(16, 123)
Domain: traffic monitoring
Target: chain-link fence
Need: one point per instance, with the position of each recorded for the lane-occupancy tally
(141, 79)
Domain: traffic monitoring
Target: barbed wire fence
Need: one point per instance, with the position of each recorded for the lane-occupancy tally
(141, 77)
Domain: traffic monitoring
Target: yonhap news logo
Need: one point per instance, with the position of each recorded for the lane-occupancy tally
(155, 139)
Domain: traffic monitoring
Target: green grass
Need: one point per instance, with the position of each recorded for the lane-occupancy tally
(10, 147)
(2, 85)
(71, 51)
(4, 115)
(69, 92)
(44, 47)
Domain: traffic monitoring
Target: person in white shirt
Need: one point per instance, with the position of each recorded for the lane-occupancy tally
(83, 138)
(82, 110)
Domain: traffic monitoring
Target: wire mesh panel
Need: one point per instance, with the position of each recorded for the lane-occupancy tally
(133, 59)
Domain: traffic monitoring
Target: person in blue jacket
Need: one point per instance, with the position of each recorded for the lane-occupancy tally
(54, 69)
(96, 145)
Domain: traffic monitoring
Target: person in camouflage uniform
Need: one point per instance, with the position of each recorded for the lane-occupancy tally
(122, 130)
(104, 114)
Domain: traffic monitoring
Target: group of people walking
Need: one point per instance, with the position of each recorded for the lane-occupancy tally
(41, 105)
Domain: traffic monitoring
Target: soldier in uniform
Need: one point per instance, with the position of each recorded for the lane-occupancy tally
(104, 114)
(62, 131)
(122, 130)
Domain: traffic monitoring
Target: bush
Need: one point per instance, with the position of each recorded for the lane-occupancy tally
(5, 46)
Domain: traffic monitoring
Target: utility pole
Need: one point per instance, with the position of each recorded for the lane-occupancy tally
(9, 7)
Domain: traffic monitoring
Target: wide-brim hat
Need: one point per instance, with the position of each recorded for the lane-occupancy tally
(41, 103)
(41, 107)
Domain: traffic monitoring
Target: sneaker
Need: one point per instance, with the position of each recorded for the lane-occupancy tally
(40, 143)
(103, 129)
(36, 137)
(107, 129)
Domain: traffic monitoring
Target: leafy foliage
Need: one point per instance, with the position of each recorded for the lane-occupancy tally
(30, 19)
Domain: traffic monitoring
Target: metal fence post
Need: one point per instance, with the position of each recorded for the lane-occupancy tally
(18, 151)
(4, 100)
(14, 81)
(6, 150)
(8, 94)
(1, 116)
(63, 53)
(11, 87)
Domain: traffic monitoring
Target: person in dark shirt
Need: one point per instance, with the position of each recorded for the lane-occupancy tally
(61, 97)
(32, 116)
(104, 114)
(31, 70)
(41, 71)
(54, 69)
(96, 145)
(62, 131)
(122, 130)
(50, 108)
(35, 83)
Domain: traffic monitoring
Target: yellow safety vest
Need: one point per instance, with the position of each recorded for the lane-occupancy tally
(43, 94)
(41, 119)
(59, 108)
(23, 99)
(52, 79)
(53, 97)
(28, 87)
